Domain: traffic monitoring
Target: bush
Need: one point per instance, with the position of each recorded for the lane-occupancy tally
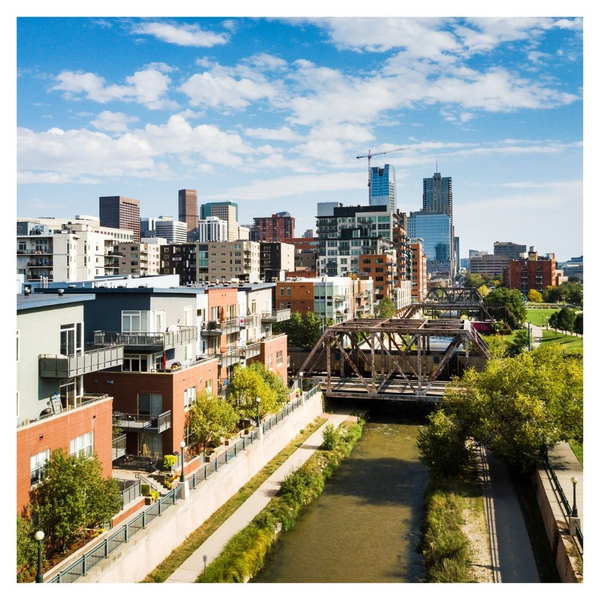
(169, 461)
(330, 437)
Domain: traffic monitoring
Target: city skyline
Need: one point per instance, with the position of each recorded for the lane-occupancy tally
(272, 113)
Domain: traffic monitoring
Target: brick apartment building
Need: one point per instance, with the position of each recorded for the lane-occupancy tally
(276, 228)
(418, 271)
(531, 273)
(382, 269)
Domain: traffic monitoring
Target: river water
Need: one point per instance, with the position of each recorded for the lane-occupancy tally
(366, 525)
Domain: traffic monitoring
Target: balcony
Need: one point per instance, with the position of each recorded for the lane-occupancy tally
(61, 366)
(219, 328)
(250, 320)
(119, 446)
(146, 341)
(276, 316)
(132, 422)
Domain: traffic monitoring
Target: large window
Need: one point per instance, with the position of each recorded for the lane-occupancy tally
(279, 358)
(38, 464)
(189, 396)
(83, 445)
(71, 339)
(150, 404)
(131, 321)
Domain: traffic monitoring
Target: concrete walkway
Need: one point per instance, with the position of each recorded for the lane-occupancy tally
(566, 465)
(512, 554)
(212, 548)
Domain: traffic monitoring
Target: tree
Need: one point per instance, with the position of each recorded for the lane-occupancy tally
(474, 280)
(578, 326)
(512, 301)
(483, 290)
(26, 549)
(520, 342)
(534, 296)
(554, 293)
(302, 331)
(246, 386)
(275, 382)
(385, 309)
(564, 319)
(517, 406)
(210, 418)
(74, 496)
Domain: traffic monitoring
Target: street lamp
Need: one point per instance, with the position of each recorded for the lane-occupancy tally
(39, 536)
(574, 511)
(182, 446)
(258, 412)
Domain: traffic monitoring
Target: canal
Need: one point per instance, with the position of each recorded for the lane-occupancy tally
(365, 527)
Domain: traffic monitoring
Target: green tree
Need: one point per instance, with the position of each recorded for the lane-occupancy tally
(74, 496)
(210, 418)
(534, 296)
(385, 309)
(483, 290)
(26, 549)
(512, 301)
(302, 331)
(564, 319)
(275, 382)
(554, 293)
(578, 325)
(519, 405)
(474, 280)
(247, 384)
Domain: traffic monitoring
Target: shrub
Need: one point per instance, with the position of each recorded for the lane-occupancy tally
(169, 461)
(330, 437)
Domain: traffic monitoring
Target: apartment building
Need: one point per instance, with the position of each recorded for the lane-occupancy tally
(234, 260)
(531, 273)
(276, 228)
(492, 265)
(55, 407)
(383, 270)
(276, 258)
(175, 232)
(76, 251)
(135, 258)
(418, 271)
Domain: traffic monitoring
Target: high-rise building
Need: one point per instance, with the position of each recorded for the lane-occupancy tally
(437, 194)
(382, 188)
(435, 229)
(275, 228)
(171, 230)
(212, 229)
(121, 213)
(188, 208)
(227, 211)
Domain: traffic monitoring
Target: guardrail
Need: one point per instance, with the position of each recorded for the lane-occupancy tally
(81, 566)
(563, 498)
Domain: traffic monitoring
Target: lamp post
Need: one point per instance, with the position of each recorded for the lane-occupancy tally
(39, 536)
(182, 446)
(574, 511)
(258, 412)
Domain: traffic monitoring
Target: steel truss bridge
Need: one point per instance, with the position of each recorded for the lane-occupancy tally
(448, 302)
(400, 359)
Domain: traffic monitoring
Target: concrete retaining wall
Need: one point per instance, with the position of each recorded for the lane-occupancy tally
(566, 555)
(148, 548)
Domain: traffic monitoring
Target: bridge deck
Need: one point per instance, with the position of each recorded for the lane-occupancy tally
(394, 389)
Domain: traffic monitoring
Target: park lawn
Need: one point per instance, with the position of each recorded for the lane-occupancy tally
(539, 316)
(569, 342)
(577, 450)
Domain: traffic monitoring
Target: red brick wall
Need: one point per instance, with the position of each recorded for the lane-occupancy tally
(269, 347)
(127, 386)
(302, 299)
(57, 432)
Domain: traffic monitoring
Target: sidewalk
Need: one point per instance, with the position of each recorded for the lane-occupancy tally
(189, 571)
(566, 465)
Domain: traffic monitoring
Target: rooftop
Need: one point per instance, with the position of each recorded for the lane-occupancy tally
(31, 301)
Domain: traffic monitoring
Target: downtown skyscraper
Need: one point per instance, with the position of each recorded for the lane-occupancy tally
(382, 187)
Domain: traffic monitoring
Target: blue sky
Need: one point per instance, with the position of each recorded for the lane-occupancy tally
(271, 113)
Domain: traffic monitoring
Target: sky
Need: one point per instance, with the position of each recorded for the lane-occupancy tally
(272, 113)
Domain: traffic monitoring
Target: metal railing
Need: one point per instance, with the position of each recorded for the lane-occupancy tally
(275, 316)
(81, 566)
(136, 422)
(163, 340)
(119, 446)
(131, 492)
(563, 498)
(62, 366)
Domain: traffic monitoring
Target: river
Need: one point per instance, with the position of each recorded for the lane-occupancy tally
(366, 525)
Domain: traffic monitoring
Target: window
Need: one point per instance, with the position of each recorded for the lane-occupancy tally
(189, 396)
(279, 358)
(38, 466)
(83, 445)
(18, 345)
(270, 361)
(71, 339)
(289, 291)
(150, 404)
(282, 291)
(131, 321)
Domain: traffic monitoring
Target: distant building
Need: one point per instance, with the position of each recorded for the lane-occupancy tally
(137, 258)
(121, 213)
(212, 229)
(382, 269)
(418, 271)
(531, 273)
(435, 229)
(226, 211)
(509, 249)
(309, 233)
(188, 209)
(234, 260)
(382, 187)
(276, 258)
(175, 232)
(275, 228)
(492, 265)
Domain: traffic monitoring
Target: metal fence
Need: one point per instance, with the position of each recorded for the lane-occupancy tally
(84, 563)
(563, 499)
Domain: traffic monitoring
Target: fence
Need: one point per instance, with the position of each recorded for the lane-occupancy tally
(563, 499)
(104, 549)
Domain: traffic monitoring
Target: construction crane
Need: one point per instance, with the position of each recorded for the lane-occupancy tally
(368, 156)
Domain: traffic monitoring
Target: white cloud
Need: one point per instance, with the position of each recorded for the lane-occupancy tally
(113, 121)
(283, 134)
(148, 87)
(283, 187)
(181, 35)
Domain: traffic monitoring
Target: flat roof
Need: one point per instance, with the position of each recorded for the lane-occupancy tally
(30, 301)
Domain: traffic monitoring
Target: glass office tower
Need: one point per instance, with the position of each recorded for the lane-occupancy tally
(382, 189)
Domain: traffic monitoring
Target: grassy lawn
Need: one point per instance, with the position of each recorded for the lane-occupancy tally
(198, 537)
(534, 315)
(577, 450)
(570, 342)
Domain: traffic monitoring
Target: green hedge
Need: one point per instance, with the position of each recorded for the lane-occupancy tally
(244, 555)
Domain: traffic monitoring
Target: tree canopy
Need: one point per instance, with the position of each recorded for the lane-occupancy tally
(534, 296)
(302, 331)
(571, 292)
(516, 407)
(210, 417)
(73, 496)
(512, 301)
(564, 319)
(385, 309)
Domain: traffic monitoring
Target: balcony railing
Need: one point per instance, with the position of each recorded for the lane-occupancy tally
(158, 341)
(119, 446)
(252, 320)
(62, 367)
(219, 328)
(275, 316)
(133, 422)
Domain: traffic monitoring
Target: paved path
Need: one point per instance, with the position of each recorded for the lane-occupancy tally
(566, 465)
(189, 571)
(511, 549)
